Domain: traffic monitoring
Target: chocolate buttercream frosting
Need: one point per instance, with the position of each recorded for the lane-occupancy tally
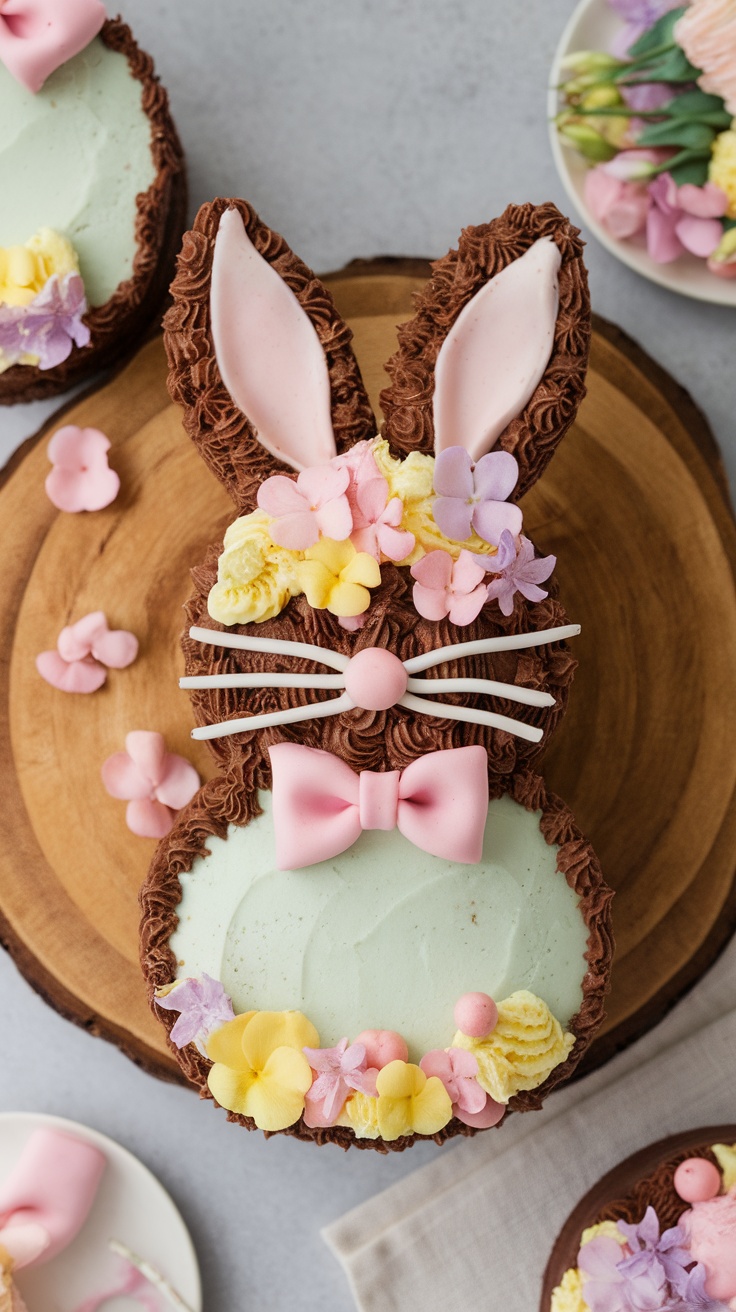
(384, 739)
(124, 319)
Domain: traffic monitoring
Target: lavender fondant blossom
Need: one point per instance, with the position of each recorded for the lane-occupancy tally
(203, 1006)
(474, 496)
(518, 571)
(48, 326)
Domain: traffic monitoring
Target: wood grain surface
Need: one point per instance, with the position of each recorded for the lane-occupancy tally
(635, 506)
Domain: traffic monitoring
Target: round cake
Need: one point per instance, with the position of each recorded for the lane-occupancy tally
(94, 196)
(657, 1232)
(376, 924)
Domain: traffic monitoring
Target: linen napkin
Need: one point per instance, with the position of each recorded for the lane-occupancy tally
(475, 1227)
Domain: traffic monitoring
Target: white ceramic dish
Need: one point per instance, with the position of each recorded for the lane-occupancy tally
(131, 1206)
(591, 27)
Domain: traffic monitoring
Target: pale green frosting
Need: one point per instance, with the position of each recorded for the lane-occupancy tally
(74, 158)
(384, 936)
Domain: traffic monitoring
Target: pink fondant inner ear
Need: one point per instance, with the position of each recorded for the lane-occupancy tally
(268, 353)
(496, 352)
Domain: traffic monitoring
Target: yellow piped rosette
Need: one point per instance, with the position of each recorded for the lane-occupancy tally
(522, 1050)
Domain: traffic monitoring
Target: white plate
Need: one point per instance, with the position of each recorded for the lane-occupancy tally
(592, 27)
(131, 1206)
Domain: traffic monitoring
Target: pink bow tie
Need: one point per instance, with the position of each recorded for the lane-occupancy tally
(320, 806)
(38, 36)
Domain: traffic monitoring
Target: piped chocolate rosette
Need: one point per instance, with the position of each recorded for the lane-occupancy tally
(658, 1232)
(376, 924)
(94, 195)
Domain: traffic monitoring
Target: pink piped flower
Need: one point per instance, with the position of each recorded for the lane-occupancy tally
(449, 587)
(81, 478)
(339, 1071)
(474, 496)
(458, 1071)
(520, 571)
(684, 219)
(84, 653)
(303, 509)
(155, 783)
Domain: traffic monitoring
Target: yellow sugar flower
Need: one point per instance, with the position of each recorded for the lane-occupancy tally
(255, 578)
(25, 270)
(725, 1155)
(722, 170)
(568, 1296)
(413, 481)
(360, 1114)
(260, 1069)
(336, 577)
(524, 1048)
(409, 1102)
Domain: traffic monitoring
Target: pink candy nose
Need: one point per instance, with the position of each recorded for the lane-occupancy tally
(375, 679)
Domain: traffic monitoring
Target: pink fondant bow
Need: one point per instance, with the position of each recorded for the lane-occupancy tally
(38, 36)
(320, 806)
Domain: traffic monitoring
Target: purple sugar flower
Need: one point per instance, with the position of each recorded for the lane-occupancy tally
(48, 326)
(203, 1005)
(474, 496)
(516, 572)
(645, 1240)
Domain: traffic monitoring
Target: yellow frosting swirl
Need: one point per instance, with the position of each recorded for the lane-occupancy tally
(25, 270)
(255, 578)
(360, 1114)
(609, 1229)
(524, 1048)
(568, 1295)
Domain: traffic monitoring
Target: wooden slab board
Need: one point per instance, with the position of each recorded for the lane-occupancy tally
(635, 506)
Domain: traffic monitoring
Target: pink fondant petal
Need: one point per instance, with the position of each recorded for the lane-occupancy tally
(296, 532)
(496, 476)
(395, 545)
(492, 518)
(148, 818)
(434, 570)
(453, 473)
(491, 1114)
(92, 447)
(699, 236)
(323, 483)
(116, 648)
(123, 779)
(77, 490)
(335, 518)
(707, 202)
(430, 602)
(147, 750)
(467, 573)
(75, 642)
(314, 1113)
(179, 783)
(281, 496)
(64, 448)
(453, 517)
(437, 1062)
(70, 676)
(366, 540)
(371, 497)
(463, 610)
(464, 1064)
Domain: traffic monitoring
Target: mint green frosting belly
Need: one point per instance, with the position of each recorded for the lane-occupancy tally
(74, 158)
(384, 936)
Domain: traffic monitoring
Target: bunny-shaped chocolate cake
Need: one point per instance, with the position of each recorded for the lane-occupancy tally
(376, 923)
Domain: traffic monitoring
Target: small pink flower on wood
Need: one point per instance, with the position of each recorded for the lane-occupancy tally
(311, 506)
(81, 478)
(339, 1071)
(446, 587)
(155, 783)
(84, 653)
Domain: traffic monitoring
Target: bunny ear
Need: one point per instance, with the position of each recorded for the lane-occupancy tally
(259, 357)
(269, 355)
(496, 352)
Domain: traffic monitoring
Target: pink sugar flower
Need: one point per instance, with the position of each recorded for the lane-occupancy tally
(520, 571)
(458, 1071)
(203, 1006)
(683, 219)
(302, 509)
(474, 496)
(376, 520)
(448, 587)
(81, 478)
(155, 783)
(339, 1071)
(84, 653)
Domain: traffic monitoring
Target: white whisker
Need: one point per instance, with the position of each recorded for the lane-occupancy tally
(294, 715)
(509, 642)
(488, 687)
(273, 646)
(334, 681)
(423, 706)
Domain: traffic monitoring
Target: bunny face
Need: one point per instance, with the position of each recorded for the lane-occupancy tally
(392, 569)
